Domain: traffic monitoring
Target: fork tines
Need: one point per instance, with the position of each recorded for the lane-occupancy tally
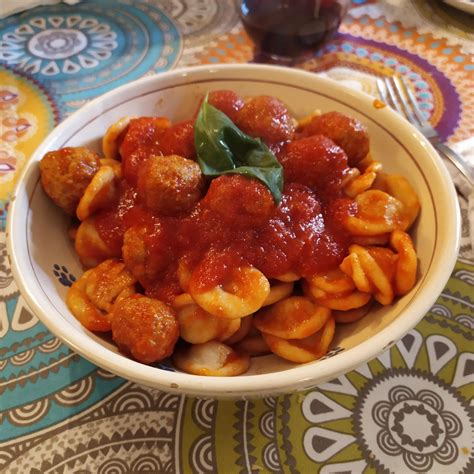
(400, 97)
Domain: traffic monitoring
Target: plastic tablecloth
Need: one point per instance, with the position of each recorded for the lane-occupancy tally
(408, 410)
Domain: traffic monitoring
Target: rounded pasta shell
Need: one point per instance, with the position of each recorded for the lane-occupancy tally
(212, 358)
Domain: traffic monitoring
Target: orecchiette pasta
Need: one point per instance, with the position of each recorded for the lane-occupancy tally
(377, 213)
(381, 239)
(333, 282)
(278, 291)
(182, 300)
(243, 294)
(365, 162)
(288, 277)
(363, 182)
(405, 275)
(90, 246)
(399, 187)
(379, 271)
(115, 164)
(198, 326)
(351, 266)
(110, 145)
(353, 300)
(351, 315)
(100, 192)
(243, 331)
(92, 296)
(303, 350)
(292, 318)
(379, 280)
(351, 174)
(184, 274)
(253, 345)
(212, 358)
(84, 310)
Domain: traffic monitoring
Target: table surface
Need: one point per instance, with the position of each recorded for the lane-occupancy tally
(405, 411)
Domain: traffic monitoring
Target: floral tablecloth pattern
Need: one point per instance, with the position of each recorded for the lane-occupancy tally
(409, 410)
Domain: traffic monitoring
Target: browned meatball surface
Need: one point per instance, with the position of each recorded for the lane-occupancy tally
(145, 328)
(347, 132)
(170, 185)
(226, 101)
(315, 161)
(240, 201)
(266, 118)
(146, 252)
(66, 173)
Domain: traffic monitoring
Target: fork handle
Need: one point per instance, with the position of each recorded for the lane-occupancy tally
(457, 160)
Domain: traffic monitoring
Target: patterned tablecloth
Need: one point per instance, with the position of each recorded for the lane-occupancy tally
(409, 410)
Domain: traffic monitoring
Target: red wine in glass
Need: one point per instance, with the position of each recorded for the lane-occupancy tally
(284, 30)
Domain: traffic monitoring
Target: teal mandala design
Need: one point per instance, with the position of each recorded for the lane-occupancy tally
(82, 52)
(42, 382)
(130, 430)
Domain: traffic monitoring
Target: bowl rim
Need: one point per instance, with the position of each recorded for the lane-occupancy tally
(300, 376)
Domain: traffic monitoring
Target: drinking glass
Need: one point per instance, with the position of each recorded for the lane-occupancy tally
(286, 30)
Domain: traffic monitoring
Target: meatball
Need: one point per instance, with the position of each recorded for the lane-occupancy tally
(347, 132)
(179, 140)
(267, 118)
(66, 173)
(144, 327)
(143, 132)
(316, 162)
(141, 141)
(146, 252)
(170, 185)
(226, 101)
(240, 201)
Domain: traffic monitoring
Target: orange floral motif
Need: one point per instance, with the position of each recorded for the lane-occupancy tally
(231, 48)
(26, 117)
(15, 127)
(447, 58)
(7, 163)
(8, 98)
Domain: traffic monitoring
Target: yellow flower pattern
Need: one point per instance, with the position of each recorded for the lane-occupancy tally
(26, 118)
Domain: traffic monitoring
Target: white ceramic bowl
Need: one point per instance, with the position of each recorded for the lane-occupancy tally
(39, 245)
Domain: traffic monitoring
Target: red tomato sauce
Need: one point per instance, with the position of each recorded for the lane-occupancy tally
(302, 234)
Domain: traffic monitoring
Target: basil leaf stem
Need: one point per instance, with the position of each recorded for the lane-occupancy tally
(223, 148)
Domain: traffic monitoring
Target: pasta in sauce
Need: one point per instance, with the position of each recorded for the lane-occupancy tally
(213, 271)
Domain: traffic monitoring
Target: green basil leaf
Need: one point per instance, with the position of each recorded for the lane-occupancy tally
(223, 148)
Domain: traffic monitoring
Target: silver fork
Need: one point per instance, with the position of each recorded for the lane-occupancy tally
(400, 97)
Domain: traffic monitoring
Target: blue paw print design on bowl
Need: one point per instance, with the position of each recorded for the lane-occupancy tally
(63, 275)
